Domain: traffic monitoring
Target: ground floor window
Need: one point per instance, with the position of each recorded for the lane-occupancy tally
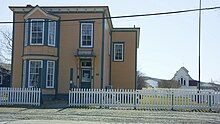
(50, 74)
(35, 67)
(39, 73)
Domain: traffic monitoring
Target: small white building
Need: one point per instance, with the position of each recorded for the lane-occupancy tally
(183, 77)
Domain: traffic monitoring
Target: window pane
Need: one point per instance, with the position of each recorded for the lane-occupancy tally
(51, 33)
(26, 32)
(34, 73)
(50, 74)
(118, 52)
(86, 34)
(37, 31)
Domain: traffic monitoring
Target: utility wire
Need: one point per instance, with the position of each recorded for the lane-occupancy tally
(126, 16)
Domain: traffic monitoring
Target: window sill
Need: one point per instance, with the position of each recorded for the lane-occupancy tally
(118, 60)
(36, 44)
(87, 47)
(41, 45)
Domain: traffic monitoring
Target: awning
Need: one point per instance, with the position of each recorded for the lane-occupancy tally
(84, 53)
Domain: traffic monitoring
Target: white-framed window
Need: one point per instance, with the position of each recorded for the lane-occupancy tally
(35, 67)
(26, 38)
(51, 33)
(182, 81)
(118, 52)
(86, 35)
(86, 64)
(1, 79)
(50, 74)
(37, 32)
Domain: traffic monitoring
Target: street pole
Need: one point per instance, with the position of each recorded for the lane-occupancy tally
(200, 6)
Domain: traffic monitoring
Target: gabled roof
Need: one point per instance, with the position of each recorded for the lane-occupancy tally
(183, 68)
(37, 8)
(5, 66)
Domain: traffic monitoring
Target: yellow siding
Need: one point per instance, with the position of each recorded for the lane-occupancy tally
(123, 73)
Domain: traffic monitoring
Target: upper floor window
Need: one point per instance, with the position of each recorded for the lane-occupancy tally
(26, 34)
(50, 74)
(51, 33)
(37, 32)
(118, 52)
(35, 67)
(1, 79)
(86, 35)
(182, 81)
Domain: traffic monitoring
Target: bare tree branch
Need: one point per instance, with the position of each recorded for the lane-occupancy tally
(6, 45)
(140, 80)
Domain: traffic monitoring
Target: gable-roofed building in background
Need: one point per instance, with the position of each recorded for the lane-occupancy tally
(5, 75)
(185, 80)
(62, 47)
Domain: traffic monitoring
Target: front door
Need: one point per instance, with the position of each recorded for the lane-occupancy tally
(86, 78)
(86, 74)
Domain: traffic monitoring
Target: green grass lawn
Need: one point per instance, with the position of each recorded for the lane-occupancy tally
(167, 100)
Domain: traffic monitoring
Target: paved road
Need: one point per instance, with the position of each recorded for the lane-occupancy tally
(47, 122)
(12, 115)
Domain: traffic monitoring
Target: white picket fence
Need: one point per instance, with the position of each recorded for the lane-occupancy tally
(20, 96)
(157, 99)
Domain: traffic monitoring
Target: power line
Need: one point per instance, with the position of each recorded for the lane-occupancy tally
(126, 16)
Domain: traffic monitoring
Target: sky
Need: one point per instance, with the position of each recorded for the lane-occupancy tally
(167, 42)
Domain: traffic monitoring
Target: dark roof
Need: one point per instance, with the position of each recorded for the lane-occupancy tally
(4, 71)
(184, 69)
(193, 82)
(5, 66)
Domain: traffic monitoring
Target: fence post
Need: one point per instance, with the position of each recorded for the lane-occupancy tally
(210, 102)
(41, 97)
(135, 99)
(100, 97)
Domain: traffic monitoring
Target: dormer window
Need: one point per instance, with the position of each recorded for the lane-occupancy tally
(37, 32)
(40, 32)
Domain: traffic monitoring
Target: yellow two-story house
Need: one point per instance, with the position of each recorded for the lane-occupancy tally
(57, 48)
